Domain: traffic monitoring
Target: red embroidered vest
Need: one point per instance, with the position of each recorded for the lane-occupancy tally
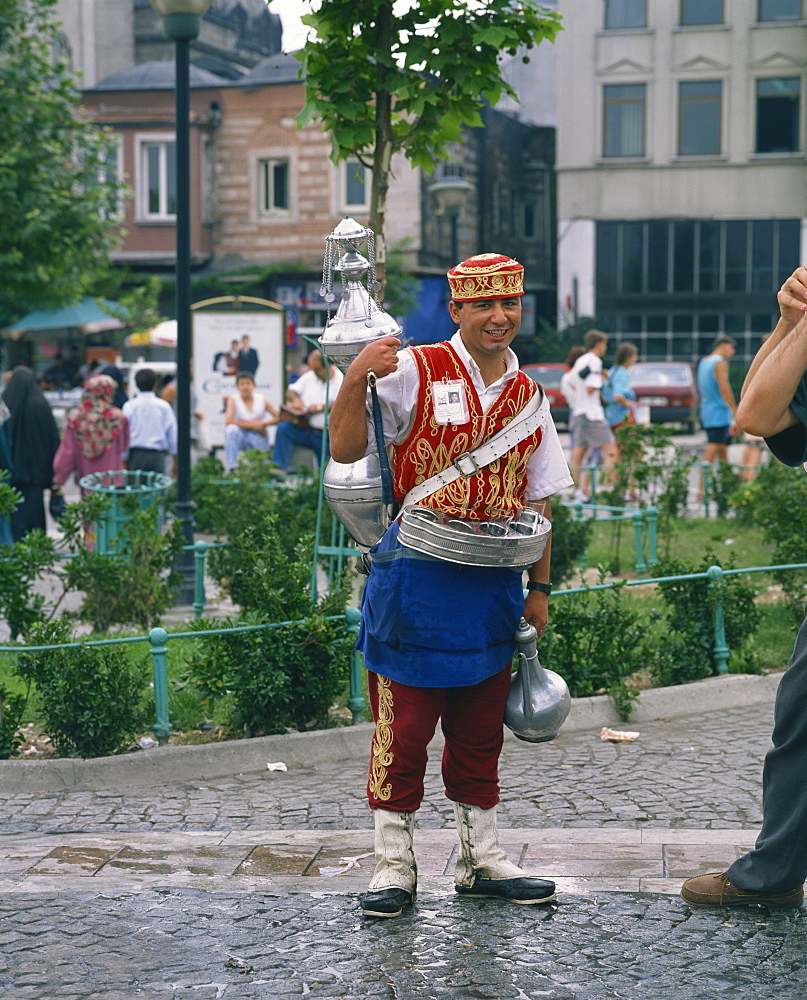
(499, 489)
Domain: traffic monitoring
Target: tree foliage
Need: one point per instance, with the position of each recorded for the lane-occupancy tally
(383, 81)
(58, 214)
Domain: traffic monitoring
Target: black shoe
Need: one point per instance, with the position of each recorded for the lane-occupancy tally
(517, 890)
(385, 902)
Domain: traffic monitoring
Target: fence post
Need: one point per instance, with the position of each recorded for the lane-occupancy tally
(158, 638)
(705, 484)
(355, 701)
(720, 649)
(638, 538)
(593, 472)
(577, 507)
(652, 523)
(199, 580)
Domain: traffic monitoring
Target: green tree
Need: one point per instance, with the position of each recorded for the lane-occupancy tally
(58, 211)
(383, 81)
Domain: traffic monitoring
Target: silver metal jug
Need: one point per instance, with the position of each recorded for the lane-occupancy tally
(539, 699)
(354, 491)
(359, 319)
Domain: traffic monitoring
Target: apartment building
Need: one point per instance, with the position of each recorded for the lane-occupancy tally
(682, 203)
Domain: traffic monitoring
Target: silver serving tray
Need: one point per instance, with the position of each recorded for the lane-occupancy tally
(510, 542)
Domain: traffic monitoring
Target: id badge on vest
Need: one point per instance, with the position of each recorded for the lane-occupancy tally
(450, 402)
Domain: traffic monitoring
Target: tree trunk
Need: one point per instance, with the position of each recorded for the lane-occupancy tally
(382, 151)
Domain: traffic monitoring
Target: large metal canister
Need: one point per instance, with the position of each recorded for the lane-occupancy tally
(354, 494)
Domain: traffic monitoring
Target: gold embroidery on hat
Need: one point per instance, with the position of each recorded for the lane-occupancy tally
(382, 756)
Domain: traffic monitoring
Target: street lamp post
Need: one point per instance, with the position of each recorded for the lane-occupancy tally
(181, 23)
(451, 194)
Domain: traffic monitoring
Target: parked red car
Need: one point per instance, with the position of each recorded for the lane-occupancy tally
(669, 389)
(548, 376)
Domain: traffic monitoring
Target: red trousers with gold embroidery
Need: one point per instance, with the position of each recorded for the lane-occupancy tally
(406, 718)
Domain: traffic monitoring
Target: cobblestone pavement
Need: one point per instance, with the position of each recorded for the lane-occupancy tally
(127, 915)
(679, 773)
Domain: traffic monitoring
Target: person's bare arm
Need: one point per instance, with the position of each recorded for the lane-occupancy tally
(347, 423)
(229, 411)
(775, 374)
(536, 604)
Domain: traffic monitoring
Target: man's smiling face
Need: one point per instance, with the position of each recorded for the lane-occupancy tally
(487, 327)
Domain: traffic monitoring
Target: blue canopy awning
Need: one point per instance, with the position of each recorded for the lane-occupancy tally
(86, 316)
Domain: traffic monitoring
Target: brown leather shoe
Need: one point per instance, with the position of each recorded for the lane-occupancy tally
(715, 889)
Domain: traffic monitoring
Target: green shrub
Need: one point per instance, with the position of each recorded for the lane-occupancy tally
(21, 565)
(776, 502)
(570, 539)
(134, 584)
(91, 696)
(595, 641)
(685, 651)
(279, 677)
(11, 709)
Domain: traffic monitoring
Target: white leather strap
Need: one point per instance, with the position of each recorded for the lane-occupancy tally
(532, 416)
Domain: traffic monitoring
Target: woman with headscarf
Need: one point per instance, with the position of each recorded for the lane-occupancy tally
(96, 434)
(34, 441)
(120, 387)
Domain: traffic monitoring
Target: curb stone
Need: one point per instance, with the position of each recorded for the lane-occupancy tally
(175, 764)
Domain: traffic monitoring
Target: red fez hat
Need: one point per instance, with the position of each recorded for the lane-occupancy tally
(486, 276)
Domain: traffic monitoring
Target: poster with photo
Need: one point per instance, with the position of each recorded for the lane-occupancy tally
(225, 343)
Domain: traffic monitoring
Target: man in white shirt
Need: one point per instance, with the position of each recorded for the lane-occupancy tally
(152, 427)
(591, 427)
(302, 421)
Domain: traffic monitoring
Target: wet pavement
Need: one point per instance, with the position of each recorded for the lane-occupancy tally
(216, 889)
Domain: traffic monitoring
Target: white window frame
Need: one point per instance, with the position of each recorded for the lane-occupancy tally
(142, 142)
(267, 207)
(353, 207)
(256, 158)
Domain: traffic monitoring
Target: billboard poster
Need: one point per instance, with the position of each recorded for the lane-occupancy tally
(225, 343)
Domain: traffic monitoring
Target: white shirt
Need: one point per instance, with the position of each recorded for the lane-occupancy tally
(547, 471)
(152, 423)
(587, 374)
(311, 390)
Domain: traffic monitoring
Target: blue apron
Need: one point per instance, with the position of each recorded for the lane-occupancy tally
(430, 623)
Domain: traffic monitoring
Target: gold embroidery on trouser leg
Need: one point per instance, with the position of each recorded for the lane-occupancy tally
(382, 755)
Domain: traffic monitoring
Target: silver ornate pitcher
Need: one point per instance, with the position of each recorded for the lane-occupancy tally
(539, 699)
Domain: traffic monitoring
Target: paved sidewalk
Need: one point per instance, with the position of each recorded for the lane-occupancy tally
(212, 887)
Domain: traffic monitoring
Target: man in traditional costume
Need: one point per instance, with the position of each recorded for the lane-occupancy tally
(437, 637)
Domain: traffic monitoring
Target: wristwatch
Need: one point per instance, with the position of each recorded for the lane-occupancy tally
(543, 588)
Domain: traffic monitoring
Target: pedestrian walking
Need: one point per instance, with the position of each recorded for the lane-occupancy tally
(152, 427)
(34, 441)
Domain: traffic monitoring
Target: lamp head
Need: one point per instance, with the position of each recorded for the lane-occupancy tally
(181, 18)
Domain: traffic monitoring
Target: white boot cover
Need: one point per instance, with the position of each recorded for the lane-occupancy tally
(480, 853)
(396, 867)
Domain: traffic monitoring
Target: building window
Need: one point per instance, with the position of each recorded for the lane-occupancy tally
(694, 256)
(779, 10)
(701, 11)
(623, 119)
(625, 13)
(778, 114)
(158, 180)
(699, 117)
(109, 172)
(273, 176)
(355, 186)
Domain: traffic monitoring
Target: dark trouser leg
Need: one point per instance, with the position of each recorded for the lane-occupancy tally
(405, 719)
(472, 725)
(779, 860)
